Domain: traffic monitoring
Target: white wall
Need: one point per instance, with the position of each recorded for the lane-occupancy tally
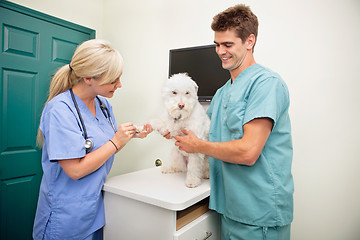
(314, 45)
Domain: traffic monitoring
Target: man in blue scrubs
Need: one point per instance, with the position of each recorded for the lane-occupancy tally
(250, 145)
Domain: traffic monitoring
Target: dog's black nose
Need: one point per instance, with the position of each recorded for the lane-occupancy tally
(181, 105)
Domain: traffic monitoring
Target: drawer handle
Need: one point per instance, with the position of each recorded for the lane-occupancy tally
(208, 234)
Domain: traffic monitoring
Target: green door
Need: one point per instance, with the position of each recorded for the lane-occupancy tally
(33, 46)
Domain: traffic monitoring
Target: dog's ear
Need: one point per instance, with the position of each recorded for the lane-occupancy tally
(196, 87)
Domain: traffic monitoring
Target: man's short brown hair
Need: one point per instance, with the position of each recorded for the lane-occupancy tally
(240, 18)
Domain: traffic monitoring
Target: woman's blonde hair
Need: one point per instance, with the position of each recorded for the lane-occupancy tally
(92, 59)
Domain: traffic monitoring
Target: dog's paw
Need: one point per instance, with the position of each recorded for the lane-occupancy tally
(169, 169)
(138, 128)
(158, 125)
(206, 175)
(192, 182)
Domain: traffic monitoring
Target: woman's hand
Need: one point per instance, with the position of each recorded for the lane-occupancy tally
(124, 134)
(80, 167)
(144, 132)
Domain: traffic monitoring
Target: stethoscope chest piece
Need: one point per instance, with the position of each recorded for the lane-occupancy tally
(88, 144)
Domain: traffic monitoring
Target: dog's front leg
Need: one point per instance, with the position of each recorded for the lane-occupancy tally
(195, 170)
(206, 167)
(158, 125)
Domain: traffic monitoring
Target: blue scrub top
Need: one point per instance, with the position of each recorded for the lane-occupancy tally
(67, 208)
(261, 194)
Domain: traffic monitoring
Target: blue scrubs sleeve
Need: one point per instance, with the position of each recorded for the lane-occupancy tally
(64, 137)
(268, 98)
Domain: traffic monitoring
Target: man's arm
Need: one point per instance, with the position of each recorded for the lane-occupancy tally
(243, 151)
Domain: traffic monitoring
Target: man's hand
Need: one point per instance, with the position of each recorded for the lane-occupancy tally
(188, 143)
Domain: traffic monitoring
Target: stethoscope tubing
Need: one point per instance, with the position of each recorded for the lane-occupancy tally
(107, 114)
(88, 142)
(79, 114)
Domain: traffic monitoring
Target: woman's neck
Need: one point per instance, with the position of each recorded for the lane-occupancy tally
(82, 91)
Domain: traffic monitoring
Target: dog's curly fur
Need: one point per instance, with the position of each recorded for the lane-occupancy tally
(183, 111)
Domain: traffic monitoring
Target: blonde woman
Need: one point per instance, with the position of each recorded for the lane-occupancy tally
(79, 137)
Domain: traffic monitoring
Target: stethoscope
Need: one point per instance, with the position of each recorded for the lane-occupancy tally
(89, 144)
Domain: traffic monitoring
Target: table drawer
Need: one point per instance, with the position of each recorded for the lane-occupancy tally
(207, 226)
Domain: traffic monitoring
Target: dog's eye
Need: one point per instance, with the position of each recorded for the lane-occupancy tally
(174, 92)
(187, 93)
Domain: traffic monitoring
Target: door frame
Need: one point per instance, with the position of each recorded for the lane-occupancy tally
(45, 17)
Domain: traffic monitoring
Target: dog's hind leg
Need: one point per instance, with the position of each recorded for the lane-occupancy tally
(177, 162)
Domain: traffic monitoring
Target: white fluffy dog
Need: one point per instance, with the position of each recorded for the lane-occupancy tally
(183, 111)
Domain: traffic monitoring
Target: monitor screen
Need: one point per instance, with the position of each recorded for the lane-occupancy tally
(203, 65)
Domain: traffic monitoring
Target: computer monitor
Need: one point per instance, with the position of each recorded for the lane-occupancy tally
(203, 65)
